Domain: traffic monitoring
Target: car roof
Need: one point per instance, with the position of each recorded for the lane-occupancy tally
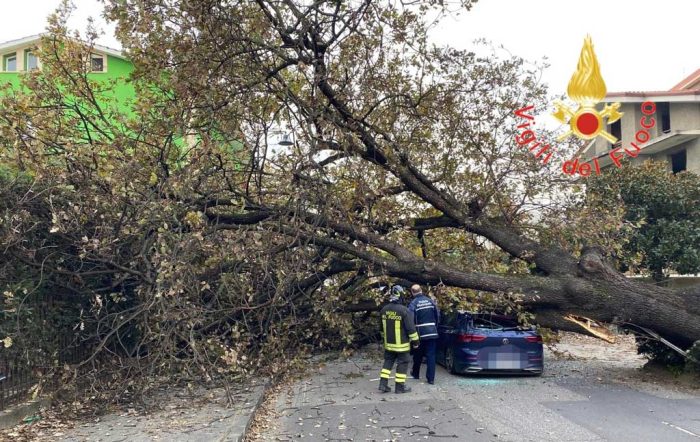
(472, 313)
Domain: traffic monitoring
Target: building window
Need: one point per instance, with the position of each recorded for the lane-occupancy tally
(663, 113)
(616, 130)
(678, 161)
(31, 61)
(10, 63)
(97, 63)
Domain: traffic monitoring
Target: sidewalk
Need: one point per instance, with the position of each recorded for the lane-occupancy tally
(180, 416)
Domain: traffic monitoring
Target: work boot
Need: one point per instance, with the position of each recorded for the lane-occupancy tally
(384, 385)
(402, 388)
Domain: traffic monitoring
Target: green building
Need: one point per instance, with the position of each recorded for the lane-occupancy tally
(110, 69)
(106, 65)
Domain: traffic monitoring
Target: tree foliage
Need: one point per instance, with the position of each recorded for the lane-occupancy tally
(664, 209)
(197, 244)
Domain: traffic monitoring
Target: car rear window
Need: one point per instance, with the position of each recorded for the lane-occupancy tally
(494, 321)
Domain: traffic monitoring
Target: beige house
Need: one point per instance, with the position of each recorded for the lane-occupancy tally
(675, 137)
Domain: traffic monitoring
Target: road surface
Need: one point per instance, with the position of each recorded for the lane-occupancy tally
(591, 399)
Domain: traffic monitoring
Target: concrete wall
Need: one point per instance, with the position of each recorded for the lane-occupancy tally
(685, 116)
(599, 146)
(693, 155)
(677, 282)
(629, 124)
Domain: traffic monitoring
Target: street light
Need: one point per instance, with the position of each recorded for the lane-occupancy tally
(286, 140)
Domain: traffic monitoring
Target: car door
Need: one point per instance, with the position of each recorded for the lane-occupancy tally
(446, 331)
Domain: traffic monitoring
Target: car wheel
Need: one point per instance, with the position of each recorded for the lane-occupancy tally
(450, 360)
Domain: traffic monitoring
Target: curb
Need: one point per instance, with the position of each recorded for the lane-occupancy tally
(254, 410)
(14, 415)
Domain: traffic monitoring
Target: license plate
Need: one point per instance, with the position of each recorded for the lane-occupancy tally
(506, 364)
(504, 360)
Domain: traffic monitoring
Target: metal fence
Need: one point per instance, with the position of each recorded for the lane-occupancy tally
(21, 376)
(16, 382)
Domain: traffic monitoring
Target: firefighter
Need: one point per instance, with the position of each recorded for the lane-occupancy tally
(399, 334)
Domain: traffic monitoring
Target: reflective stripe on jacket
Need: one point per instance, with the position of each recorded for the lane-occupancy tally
(426, 316)
(398, 328)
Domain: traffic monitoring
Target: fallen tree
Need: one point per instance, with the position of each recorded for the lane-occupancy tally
(399, 161)
(378, 114)
(585, 286)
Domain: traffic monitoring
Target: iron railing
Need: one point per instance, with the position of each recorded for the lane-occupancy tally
(19, 379)
(29, 367)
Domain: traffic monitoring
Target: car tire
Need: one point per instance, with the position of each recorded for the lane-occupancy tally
(450, 360)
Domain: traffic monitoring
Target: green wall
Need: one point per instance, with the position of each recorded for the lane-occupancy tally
(117, 84)
(119, 72)
(9, 77)
(117, 93)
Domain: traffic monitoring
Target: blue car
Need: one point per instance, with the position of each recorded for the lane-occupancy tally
(488, 343)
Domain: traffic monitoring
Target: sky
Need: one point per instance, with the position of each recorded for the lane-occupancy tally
(33, 14)
(640, 44)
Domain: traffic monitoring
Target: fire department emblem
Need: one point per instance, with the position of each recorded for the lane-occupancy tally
(587, 88)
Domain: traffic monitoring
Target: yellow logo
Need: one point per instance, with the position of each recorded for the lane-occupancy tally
(587, 88)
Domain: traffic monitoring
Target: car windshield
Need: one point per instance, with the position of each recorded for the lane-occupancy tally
(495, 322)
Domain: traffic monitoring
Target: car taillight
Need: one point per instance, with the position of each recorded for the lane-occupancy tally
(533, 338)
(468, 337)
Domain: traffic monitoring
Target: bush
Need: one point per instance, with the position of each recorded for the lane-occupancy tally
(662, 354)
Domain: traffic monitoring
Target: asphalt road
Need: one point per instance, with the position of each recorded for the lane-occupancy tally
(573, 401)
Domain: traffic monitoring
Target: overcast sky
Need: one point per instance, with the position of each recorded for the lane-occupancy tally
(641, 44)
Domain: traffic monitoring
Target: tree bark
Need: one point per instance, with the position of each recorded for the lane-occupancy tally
(596, 291)
(591, 288)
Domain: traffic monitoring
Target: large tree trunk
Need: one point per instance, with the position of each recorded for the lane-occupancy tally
(590, 287)
(596, 291)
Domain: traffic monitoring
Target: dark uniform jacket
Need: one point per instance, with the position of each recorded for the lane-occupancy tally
(398, 328)
(425, 315)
